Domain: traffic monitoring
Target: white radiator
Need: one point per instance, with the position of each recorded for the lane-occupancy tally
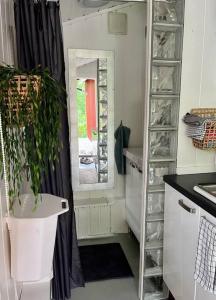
(99, 217)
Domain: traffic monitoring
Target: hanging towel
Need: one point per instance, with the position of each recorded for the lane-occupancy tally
(205, 266)
(197, 132)
(193, 120)
(122, 135)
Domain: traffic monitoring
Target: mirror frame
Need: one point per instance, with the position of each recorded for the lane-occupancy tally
(73, 118)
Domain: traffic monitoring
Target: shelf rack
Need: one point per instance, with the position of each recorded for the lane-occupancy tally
(165, 40)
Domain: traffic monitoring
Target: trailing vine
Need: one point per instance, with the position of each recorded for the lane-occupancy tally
(30, 124)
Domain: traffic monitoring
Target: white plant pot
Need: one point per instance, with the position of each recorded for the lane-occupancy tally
(32, 236)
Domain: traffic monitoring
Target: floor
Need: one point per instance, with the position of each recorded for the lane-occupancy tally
(121, 289)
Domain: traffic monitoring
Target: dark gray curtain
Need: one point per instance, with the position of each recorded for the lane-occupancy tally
(39, 42)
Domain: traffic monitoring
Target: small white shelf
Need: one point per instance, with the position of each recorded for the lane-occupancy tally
(164, 97)
(157, 128)
(165, 128)
(165, 62)
(162, 159)
(154, 245)
(166, 26)
(154, 271)
(156, 188)
(155, 217)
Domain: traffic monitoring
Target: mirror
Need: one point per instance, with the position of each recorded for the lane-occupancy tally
(91, 115)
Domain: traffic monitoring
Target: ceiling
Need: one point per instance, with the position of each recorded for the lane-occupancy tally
(93, 3)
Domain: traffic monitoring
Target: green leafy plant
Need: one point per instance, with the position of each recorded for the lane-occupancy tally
(30, 106)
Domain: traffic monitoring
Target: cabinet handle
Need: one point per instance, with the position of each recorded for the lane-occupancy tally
(187, 208)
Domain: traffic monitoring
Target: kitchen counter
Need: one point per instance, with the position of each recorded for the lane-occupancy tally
(135, 155)
(185, 183)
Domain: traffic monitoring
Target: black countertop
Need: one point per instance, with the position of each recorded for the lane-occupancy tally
(185, 183)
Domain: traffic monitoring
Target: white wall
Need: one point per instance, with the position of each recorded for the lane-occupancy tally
(91, 33)
(7, 287)
(71, 9)
(198, 79)
(88, 71)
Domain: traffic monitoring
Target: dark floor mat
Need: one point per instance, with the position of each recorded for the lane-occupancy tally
(104, 261)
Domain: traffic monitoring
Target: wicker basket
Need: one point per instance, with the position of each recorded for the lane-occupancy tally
(209, 140)
(21, 84)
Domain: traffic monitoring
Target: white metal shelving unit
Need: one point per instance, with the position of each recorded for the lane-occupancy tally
(163, 65)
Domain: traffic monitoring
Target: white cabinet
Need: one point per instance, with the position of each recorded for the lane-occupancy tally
(189, 237)
(133, 197)
(181, 227)
(172, 249)
(201, 294)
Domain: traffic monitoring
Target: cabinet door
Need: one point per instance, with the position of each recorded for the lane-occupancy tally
(137, 189)
(133, 199)
(128, 178)
(129, 187)
(201, 294)
(172, 243)
(181, 227)
(189, 240)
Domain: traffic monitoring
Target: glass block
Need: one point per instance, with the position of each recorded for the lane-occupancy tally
(103, 109)
(164, 112)
(155, 204)
(103, 139)
(103, 151)
(103, 177)
(167, 44)
(153, 258)
(102, 78)
(158, 170)
(162, 144)
(103, 166)
(165, 79)
(155, 288)
(154, 231)
(102, 64)
(168, 11)
(102, 94)
(103, 124)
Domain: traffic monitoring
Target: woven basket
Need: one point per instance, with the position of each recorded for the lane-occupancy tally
(21, 83)
(209, 140)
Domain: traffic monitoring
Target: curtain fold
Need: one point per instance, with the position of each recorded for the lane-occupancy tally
(39, 42)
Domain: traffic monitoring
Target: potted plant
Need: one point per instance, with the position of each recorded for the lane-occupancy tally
(30, 108)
